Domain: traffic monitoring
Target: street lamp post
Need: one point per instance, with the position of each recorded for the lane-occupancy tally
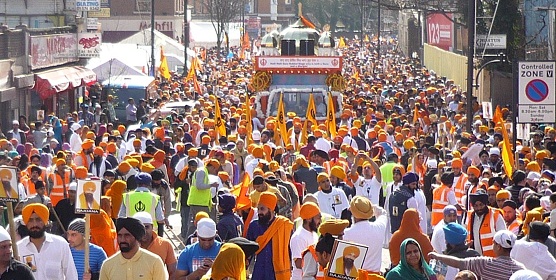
(470, 62)
(152, 38)
(185, 37)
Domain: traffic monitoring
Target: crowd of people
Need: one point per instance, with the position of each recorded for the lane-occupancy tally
(398, 171)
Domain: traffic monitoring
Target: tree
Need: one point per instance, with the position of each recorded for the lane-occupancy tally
(222, 12)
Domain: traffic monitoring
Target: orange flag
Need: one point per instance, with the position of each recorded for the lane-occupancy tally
(416, 114)
(331, 117)
(241, 191)
(506, 152)
(249, 127)
(196, 86)
(282, 120)
(220, 125)
(191, 74)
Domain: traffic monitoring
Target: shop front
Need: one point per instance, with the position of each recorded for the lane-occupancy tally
(59, 90)
(59, 82)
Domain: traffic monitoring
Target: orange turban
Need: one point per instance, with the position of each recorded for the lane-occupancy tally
(81, 172)
(38, 208)
(223, 176)
(98, 151)
(111, 147)
(258, 152)
(457, 163)
(147, 167)
(309, 210)
(269, 200)
(60, 162)
(160, 155)
(136, 143)
(338, 172)
(533, 166)
(87, 144)
(351, 250)
(124, 167)
(503, 194)
(473, 170)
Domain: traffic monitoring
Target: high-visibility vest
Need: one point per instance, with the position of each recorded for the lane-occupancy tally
(311, 249)
(439, 201)
(29, 186)
(135, 201)
(60, 187)
(487, 230)
(459, 187)
(199, 197)
(514, 226)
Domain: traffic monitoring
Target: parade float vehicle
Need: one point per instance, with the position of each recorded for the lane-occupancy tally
(297, 62)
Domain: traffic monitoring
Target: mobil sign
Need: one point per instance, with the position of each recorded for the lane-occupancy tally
(440, 30)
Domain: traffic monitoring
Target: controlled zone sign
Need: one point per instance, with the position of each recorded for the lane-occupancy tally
(536, 91)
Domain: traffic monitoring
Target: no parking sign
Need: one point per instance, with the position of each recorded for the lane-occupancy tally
(536, 91)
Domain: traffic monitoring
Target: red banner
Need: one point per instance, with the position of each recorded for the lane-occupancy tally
(440, 30)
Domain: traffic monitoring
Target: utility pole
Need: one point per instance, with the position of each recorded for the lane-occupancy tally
(470, 64)
(362, 25)
(185, 37)
(152, 38)
(378, 31)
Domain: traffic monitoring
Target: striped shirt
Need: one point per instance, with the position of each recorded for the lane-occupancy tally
(488, 268)
(96, 258)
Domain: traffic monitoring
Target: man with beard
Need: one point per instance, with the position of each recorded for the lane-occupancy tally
(472, 185)
(12, 268)
(345, 263)
(132, 262)
(99, 164)
(513, 223)
(76, 239)
(49, 255)
(85, 157)
(273, 235)
(483, 222)
(304, 236)
(59, 180)
(196, 259)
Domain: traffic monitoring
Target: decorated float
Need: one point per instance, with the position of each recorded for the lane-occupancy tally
(297, 62)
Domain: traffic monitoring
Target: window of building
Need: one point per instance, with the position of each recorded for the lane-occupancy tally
(142, 6)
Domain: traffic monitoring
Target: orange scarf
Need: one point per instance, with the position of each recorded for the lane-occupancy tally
(280, 232)
(248, 221)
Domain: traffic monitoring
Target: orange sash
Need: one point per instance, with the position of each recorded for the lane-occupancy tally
(248, 221)
(280, 232)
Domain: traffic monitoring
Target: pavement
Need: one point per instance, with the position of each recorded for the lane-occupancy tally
(173, 236)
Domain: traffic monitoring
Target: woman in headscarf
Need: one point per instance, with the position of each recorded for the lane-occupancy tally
(229, 263)
(412, 265)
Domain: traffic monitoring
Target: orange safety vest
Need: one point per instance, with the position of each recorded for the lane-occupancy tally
(487, 230)
(59, 187)
(439, 201)
(514, 226)
(459, 188)
(29, 186)
(86, 159)
(311, 249)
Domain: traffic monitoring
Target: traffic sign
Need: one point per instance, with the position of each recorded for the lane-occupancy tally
(536, 91)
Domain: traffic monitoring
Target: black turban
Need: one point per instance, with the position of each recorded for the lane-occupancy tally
(134, 226)
(478, 196)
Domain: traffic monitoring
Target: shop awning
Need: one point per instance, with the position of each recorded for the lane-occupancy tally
(50, 82)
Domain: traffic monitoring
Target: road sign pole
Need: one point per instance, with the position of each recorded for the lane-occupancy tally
(514, 106)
